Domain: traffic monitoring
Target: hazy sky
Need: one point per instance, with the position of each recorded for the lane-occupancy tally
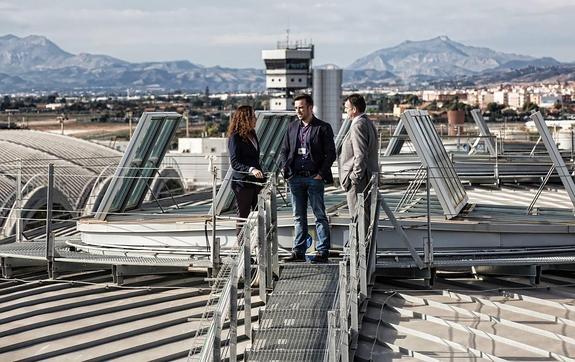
(233, 32)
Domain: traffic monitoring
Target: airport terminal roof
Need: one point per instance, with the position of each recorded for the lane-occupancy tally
(77, 164)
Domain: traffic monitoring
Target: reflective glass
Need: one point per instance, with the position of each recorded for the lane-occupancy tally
(142, 158)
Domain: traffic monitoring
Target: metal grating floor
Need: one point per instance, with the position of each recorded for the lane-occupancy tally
(293, 326)
(37, 251)
(549, 256)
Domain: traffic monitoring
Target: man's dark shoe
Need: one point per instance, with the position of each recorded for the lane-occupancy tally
(293, 258)
(319, 258)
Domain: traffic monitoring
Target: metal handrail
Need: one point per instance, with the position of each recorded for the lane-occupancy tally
(232, 271)
(360, 257)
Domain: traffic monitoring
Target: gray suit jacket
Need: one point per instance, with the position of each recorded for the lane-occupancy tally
(359, 153)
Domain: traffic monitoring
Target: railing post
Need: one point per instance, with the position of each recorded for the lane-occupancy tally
(216, 351)
(428, 245)
(215, 251)
(362, 244)
(274, 221)
(496, 170)
(247, 280)
(373, 220)
(50, 248)
(262, 252)
(332, 335)
(19, 222)
(234, 313)
(343, 311)
(269, 239)
(354, 282)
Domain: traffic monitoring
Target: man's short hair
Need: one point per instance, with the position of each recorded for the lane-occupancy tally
(357, 101)
(308, 99)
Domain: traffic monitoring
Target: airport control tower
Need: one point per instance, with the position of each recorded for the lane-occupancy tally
(288, 69)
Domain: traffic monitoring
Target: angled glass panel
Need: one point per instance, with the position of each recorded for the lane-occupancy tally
(484, 133)
(150, 167)
(397, 140)
(270, 129)
(555, 155)
(132, 169)
(442, 175)
(140, 162)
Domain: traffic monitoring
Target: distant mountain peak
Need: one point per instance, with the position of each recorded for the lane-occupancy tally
(35, 62)
(435, 57)
(8, 37)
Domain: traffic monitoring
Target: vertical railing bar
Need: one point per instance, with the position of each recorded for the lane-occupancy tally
(215, 251)
(332, 331)
(362, 244)
(19, 222)
(247, 280)
(216, 351)
(234, 313)
(374, 221)
(274, 217)
(496, 170)
(262, 249)
(268, 239)
(49, 234)
(354, 282)
(343, 310)
(429, 242)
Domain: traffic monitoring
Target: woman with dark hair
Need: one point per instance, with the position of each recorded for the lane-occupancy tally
(244, 150)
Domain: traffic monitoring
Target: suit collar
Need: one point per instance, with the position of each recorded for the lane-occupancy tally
(362, 115)
(312, 122)
(252, 140)
(295, 129)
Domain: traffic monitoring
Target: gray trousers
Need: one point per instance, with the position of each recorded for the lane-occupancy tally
(352, 196)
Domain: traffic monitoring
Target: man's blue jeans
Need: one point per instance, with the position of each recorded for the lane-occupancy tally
(302, 190)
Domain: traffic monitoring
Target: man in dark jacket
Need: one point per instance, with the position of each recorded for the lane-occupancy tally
(306, 156)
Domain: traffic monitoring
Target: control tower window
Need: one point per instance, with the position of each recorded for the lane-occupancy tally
(275, 64)
(298, 64)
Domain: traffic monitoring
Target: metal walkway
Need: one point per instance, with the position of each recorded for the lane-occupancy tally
(67, 257)
(294, 326)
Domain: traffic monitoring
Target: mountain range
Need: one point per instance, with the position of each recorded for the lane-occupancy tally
(35, 63)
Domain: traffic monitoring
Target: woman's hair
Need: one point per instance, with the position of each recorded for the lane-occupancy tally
(241, 121)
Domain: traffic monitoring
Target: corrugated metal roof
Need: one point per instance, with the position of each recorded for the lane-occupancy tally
(469, 318)
(86, 317)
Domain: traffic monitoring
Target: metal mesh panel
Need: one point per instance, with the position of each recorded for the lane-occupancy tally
(273, 356)
(294, 325)
(307, 318)
(301, 301)
(37, 250)
(291, 339)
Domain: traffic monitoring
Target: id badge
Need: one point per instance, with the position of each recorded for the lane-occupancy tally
(302, 151)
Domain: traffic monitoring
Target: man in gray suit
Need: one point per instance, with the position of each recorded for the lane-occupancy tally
(359, 153)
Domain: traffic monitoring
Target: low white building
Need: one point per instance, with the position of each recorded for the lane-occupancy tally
(194, 157)
(501, 97)
(516, 100)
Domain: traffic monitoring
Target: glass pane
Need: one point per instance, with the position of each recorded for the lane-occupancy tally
(149, 169)
(143, 156)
